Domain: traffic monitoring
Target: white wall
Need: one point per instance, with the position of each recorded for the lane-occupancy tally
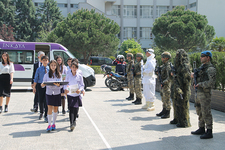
(215, 13)
(179, 2)
(99, 4)
(146, 2)
(163, 2)
(130, 2)
(192, 1)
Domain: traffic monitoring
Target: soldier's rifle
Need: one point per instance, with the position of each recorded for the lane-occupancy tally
(196, 71)
(173, 70)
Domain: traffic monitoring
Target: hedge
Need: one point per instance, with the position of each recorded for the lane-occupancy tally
(218, 60)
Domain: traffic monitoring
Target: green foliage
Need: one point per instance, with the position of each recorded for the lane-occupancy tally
(218, 60)
(7, 15)
(98, 70)
(27, 24)
(130, 46)
(218, 44)
(182, 29)
(86, 32)
(112, 58)
(50, 15)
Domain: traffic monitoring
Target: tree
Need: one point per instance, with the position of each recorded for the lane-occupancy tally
(180, 29)
(27, 25)
(7, 15)
(218, 44)
(6, 33)
(86, 32)
(50, 15)
(131, 46)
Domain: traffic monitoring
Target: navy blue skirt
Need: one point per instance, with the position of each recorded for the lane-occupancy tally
(74, 101)
(5, 86)
(53, 100)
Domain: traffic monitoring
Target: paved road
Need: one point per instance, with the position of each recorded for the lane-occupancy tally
(107, 121)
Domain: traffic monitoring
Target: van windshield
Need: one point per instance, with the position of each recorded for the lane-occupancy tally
(70, 54)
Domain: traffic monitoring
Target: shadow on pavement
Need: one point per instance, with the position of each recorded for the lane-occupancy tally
(115, 100)
(35, 133)
(186, 142)
(131, 110)
(161, 128)
(143, 118)
(16, 114)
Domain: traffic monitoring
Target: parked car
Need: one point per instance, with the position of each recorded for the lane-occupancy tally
(95, 60)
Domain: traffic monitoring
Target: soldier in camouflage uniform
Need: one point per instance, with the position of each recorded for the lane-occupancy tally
(166, 83)
(181, 89)
(130, 77)
(137, 79)
(206, 78)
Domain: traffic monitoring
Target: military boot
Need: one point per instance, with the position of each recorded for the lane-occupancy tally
(207, 135)
(146, 105)
(135, 100)
(174, 121)
(166, 114)
(200, 131)
(151, 107)
(138, 102)
(131, 97)
(161, 113)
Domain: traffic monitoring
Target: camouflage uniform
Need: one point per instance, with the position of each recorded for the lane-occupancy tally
(181, 89)
(165, 91)
(137, 80)
(205, 80)
(130, 76)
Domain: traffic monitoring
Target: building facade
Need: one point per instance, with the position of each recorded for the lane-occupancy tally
(136, 17)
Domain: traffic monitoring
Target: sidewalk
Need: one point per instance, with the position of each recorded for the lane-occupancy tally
(106, 121)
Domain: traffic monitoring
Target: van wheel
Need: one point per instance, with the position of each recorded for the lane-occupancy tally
(85, 84)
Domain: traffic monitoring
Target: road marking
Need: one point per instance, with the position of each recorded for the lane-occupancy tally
(104, 140)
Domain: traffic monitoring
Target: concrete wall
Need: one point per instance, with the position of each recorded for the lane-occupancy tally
(215, 12)
(99, 4)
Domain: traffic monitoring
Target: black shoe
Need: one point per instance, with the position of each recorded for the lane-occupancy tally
(40, 117)
(161, 113)
(200, 131)
(6, 108)
(135, 101)
(207, 135)
(63, 112)
(0, 109)
(77, 115)
(46, 119)
(72, 126)
(179, 125)
(166, 114)
(138, 102)
(131, 97)
(174, 121)
(34, 110)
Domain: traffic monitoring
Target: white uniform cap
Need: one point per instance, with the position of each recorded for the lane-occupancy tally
(150, 51)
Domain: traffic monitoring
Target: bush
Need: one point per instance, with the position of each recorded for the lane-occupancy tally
(112, 58)
(98, 70)
(218, 60)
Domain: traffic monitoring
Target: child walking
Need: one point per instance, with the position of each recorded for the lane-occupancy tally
(74, 98)
(53, 93)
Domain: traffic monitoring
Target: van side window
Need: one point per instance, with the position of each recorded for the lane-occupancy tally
(63, 54)
(20, 57)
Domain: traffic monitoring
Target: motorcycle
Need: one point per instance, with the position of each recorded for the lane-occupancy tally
(114, 81)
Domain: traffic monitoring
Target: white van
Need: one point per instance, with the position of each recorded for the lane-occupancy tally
(23, 55)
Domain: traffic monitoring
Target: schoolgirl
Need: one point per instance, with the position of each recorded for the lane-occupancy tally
(63, 71)
(53, 93)
(74, 100)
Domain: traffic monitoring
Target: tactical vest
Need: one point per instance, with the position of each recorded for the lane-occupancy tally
(164, 69)
(129, 66)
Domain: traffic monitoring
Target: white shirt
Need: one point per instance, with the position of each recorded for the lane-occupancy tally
(6, 69)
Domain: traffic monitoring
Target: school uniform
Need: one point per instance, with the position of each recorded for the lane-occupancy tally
(53, 93)
(74, 99)
(39, 75)
(5, 86)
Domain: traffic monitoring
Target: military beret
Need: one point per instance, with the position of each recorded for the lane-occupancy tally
(166, 55)
(207, 53)
(139, 55)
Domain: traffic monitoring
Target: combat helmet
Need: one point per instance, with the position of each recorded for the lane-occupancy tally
(140, 55)
(130, 55)
(166, 55)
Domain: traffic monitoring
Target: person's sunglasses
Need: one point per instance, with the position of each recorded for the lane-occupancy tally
(203, 55)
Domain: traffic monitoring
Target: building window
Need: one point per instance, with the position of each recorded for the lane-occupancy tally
(129, 32)
(38, 4)
(193, 5)
(146, 33)
(74, 5)
(62, 5)
(130, 11)
(146, 11)
(161, 10)
(115, 10)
